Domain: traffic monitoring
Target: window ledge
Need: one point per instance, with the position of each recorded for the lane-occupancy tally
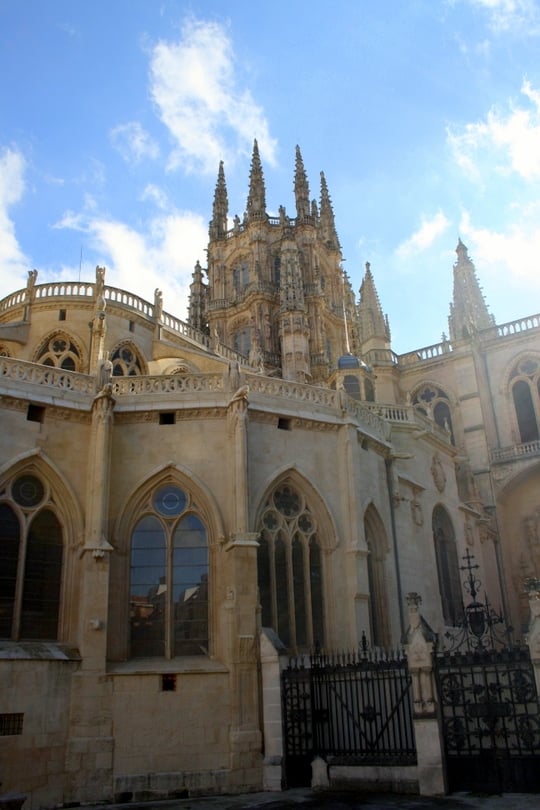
(157, 666)
(38, 651)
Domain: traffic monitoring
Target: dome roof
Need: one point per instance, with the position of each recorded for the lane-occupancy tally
(349, 361)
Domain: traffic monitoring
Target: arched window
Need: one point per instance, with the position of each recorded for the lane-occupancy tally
(351, 383)
(241, 276)
(290, 570)
(242, 341)
(525, 378)
(378, 603)
(59, 351)
(169, 577)
(447, 566)
(369, 389)
(434, 403)
(126, 361)
(31, 555)
(276, 275)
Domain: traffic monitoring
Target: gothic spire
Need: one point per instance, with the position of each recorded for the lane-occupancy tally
(218, 223)
(197, 300)
(468, 311)
(256, 203)
(301, 187)
(328, 225)
(372, 322)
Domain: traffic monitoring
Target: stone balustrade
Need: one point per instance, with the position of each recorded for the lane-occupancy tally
(166, 384)
(25, 372)
(515, 452)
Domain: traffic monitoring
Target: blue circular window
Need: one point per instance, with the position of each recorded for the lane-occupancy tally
(170, 501)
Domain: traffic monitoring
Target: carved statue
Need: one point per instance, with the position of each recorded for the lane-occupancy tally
(105, 373)
(158, 304)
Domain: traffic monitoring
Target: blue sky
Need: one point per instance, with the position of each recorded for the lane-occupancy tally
(423, 114)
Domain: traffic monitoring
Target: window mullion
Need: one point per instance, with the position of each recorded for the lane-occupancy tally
(169, 602)
(307, 590)
(290, 588)
(19, 586)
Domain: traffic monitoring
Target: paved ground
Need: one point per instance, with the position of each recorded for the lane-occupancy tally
(305, 799)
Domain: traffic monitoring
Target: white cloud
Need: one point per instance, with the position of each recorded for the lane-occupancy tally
(13, 263)
(196, 87)
(156, 195)
(161, 255)
(509, 255)
(510, 14)
(423, 238)
(508, 141)
(133, 142)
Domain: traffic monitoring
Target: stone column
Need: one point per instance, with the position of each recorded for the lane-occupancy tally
(419, 645)
(89, 755)
(272, 710)
(242, 604)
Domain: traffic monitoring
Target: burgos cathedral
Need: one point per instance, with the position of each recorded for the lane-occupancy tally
(183, 502)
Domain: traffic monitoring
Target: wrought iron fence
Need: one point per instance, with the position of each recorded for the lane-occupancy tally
(350, 708)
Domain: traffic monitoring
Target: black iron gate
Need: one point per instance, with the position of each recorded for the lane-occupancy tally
(348, 708)
(489, 703)
(491, 720)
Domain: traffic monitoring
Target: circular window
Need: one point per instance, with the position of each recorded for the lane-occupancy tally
(287, 501)
(27, 490)
(170, 501)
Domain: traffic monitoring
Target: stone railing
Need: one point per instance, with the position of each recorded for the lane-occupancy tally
(13, 301)
(426, 353)
(22, 371)
(165, 384)
(515, 452)
(300, 392)
(516, 327)
(129, 301)
(318, 397)
(409, 415)
(63, 289)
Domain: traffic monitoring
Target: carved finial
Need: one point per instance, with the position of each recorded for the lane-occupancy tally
(256, 203)
(301, 187)
(218, 223)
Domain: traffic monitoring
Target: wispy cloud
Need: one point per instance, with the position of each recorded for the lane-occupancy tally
(197, 88)
(507, 140)
(504, 15)
(133, 142)
(509, 253)
(160, 254)
(424, 237)
(13, 263)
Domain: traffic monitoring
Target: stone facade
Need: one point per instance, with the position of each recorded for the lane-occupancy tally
(168, 490)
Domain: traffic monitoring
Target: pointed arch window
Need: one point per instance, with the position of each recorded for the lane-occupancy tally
(31, 558)
(240, 276)
(434, 403)
(242, 341)
(447, 566)
(169, 577)
(126, 361)
(289, 567)
(378, 604)
(61, 352)
(525, 378)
